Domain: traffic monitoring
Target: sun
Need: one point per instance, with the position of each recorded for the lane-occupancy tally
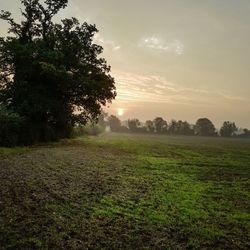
(120, 112)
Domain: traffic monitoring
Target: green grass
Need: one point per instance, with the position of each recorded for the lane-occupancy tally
(126, 192)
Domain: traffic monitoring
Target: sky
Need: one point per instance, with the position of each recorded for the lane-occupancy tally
(181, 59)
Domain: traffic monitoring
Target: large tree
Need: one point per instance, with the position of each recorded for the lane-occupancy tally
(51, 74)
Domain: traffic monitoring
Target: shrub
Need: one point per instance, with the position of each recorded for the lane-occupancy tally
(11, 125)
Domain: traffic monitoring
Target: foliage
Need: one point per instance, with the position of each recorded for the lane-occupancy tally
(134, 125)
(102, 119)
(160, 125)
(204, 127)
(180, 128)
(11, 124)
(114, 123)
(228, 129)
(245, 134)
(150, 126)
(49, 71)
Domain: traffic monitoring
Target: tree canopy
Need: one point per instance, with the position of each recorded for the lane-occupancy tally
(51, 74)
(160, 125)
(204, 127)
(180, 127)
(114, 123)
(133, 124)
(228, 129)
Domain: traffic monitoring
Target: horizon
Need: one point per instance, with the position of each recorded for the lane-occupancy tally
(177, 60)
(143, 122)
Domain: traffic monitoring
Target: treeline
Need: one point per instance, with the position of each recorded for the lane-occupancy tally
(203, 127)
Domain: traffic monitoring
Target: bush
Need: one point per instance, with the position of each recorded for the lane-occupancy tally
(34, 132)
(11, 125)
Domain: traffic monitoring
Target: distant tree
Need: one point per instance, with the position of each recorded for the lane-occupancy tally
(49, 71)
(228, 129)
(133, 125)
(102, 119)
(114, 123)
(246, 133)
(173, 127)
(150, 126)
(204, 127)
(142, 129)
(124, 129)
(160, 125)
(185, 128)
(242, 133)
(180, 128)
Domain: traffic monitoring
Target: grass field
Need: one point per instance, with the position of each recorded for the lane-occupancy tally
(126, 192)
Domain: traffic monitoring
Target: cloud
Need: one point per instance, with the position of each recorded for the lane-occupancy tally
(133, 87)
(109, 44)
(143, 88)
(231, 97)
(116, 47)
(153, 42)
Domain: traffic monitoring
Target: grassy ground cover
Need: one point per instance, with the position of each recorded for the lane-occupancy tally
(121, 191)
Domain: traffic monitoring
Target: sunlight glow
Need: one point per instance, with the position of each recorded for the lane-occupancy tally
(120, 112)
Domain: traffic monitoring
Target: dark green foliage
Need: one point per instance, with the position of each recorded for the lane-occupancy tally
(11, 124)
(49, 71)
(228, 129)
(204, 127)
